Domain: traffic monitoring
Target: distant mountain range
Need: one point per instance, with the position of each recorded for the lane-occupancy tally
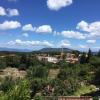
(41, 50)
(44, 50)
(14, 50)
(55, 50)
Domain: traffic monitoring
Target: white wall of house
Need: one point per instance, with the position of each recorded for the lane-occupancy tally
(52, 59)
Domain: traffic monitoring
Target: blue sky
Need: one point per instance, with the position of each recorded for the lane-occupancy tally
(35, 24)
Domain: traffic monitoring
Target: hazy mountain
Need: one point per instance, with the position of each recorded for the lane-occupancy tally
(41, 50)
(14, 50)
(55, 50)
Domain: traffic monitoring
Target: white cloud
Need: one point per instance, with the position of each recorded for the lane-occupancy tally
(28, 27)
(84, 26)
(25, 34)
(91, 41)
(58, 4)
(73, 34)
(8, 12)
(2, 11)
(44, 29)
(30, 43)
(40, 29)
(12, 12)
(83, 46)
(93, 29)
(47, 44)
(65, 43)
(10, 25)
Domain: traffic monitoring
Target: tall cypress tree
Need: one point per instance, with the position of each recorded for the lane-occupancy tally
(89, 55)
(98, 54)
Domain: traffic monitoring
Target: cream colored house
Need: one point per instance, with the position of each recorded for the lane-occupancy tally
(48, 59)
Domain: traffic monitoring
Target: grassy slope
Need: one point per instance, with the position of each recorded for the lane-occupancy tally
(85, 89)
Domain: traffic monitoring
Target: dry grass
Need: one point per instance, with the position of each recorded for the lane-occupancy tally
(53, 73)
(12, 72)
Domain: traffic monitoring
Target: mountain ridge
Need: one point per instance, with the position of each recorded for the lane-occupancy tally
(14, 49)
(55, 50)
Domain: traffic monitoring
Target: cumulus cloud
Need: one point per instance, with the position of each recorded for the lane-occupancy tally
(65, 43)
(73, 34)
(44, 29)
(84, 26)
(28, 27)
(58, 4)
(84, 31)
(30, 43)
(40, 29)
(91, 41)
(12, 12)
(92, 28)
(6, 25)
(2, 11)
(8, 12)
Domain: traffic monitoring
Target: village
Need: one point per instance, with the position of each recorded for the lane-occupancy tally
(63, 56)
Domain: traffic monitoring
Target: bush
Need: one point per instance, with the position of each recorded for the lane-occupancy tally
(95, 61)
(38, 98)
(18, 92)
(6, 84)
(37, 72)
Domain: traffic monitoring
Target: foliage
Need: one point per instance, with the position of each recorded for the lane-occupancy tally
(95, 61)
(6, 84)
(2, 63)
(37, 72)
(39, 98)
(18, 92)
(83, 59)
(70, 79)
(97, 77)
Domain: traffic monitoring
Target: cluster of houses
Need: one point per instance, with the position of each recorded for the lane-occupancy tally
(68, 57)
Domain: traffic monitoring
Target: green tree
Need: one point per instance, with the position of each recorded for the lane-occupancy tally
(83, 58)
(3, 63)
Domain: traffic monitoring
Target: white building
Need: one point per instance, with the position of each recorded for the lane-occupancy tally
(48, 59)
(71, 58)
(52, 59)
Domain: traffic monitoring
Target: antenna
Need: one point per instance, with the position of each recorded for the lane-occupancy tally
(62, 52)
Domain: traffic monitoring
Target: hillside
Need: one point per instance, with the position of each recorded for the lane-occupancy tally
(56, 50)
(14, 50)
